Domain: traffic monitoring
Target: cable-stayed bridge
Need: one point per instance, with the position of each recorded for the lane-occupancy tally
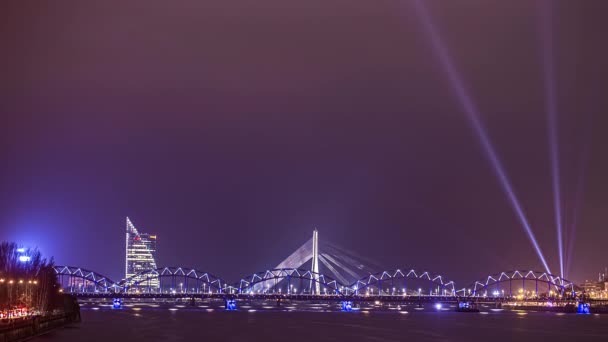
(319, 271)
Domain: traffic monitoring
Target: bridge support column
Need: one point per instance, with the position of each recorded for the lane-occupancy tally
(347, 306)
(230, 304)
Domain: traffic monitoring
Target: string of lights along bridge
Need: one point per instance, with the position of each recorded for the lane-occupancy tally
(314, 271)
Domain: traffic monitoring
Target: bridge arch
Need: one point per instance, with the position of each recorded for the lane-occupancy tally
(174, 280)
(529, 286)
(394, 282)
(77, 279)
(288, 281)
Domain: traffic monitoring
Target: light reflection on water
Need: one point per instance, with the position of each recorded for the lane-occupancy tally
(268, 306)
(367, 323)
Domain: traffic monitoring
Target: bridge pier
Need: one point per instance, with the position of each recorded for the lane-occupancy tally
(583, 306)
(347, 306)
(230, 304)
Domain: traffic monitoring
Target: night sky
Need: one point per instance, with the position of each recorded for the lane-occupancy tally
(232, 128)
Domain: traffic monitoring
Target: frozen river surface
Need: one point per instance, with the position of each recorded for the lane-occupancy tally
(198, 324)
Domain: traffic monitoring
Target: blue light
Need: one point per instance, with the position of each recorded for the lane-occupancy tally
(347, 306)
(583, 308)
(117, 303)
(230, 304)
(24, 258)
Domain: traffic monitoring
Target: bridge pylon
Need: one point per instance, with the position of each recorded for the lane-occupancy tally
(315, 261)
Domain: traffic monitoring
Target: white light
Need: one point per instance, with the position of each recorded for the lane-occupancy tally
(24, 258)
(20, 250)
(438, 306)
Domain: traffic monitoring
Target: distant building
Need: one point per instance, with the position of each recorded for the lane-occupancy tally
(594, 290)
(140, 257)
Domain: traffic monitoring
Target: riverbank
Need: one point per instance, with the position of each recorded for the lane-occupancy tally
(24, 328)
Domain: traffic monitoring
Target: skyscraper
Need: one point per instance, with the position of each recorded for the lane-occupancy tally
(140, 256)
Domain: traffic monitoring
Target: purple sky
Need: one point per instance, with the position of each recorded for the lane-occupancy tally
(232, 128)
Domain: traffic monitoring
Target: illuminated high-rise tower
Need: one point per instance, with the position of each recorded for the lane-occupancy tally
(140, 255)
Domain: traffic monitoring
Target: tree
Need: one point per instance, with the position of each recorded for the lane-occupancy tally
(26, 278)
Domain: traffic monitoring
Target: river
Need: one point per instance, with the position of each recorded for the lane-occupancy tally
(171, 322)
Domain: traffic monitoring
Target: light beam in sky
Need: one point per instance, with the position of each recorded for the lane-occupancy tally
(551, 104)
(472, 114)
(578, 199)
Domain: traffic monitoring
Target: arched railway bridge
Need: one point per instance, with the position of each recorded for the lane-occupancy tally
(399, 285)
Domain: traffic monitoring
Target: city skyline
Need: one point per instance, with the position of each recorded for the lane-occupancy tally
(140, 259)
(327, 170)
(303, 266)
(329, 115)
